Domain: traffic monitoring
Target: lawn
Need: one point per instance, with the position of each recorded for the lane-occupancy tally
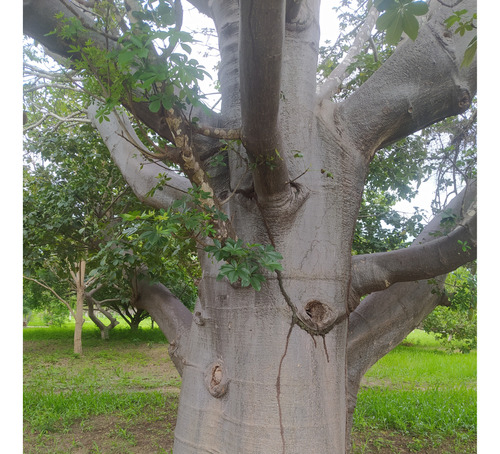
(418, 398)
(121, 396)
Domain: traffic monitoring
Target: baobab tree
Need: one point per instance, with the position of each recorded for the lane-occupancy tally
(272, 357)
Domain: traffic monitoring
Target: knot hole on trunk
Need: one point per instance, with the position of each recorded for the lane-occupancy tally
(317, 315)
(216, 380)
(316, 311)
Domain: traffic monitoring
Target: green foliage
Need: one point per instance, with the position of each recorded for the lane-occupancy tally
(158, 241)
(393, 173)
(69, 187)
(399, 16)
(189, 220)
(464, 24)
(73, 196)
(245, 263)
(142, 65)
(456, 325)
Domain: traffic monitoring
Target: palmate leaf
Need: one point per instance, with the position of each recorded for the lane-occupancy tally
(386, 20)
(399, 17)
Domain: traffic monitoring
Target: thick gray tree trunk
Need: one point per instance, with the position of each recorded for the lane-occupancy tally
(277, 371)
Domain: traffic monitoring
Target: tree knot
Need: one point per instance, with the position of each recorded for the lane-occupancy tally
(216, 380)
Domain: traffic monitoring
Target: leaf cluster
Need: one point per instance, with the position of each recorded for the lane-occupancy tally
(69, 184)
(245, 262)
(398, 17)
(140, 64)
(464, 24)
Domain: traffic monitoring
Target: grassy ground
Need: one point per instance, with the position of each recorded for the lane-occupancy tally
(418, 398)
(121, 396)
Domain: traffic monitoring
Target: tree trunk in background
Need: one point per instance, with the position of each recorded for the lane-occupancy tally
(104, 329)
(79, 282)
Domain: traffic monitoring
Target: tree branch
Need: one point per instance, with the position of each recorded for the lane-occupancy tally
(69, 119)
(172, 317)
(378, 271)
(40, 20)
(141, 175)
(91, 301)
(383, 320)
(45, 286)
(262, 28)
(332, 84)
(427, 257)
(421, 83)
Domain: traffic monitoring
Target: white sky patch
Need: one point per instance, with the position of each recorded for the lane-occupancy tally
(328, 22)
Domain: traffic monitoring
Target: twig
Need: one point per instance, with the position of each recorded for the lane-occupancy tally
(53, 291)
(67, 119)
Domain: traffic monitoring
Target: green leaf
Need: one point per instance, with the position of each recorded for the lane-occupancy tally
(383, 5)
(394, 32)
(385, 20)
(167, 102)
(417, 8)
(155, 105)
(410, 26)
(143, 52)
(256, 281)
(186, 48)
(136, 40)
(470, 52)
(125, 57)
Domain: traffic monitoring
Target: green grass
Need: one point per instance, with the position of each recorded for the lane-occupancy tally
(422, 394)
(124, 391)
(417, 366)
(90, 333)
(442, 412)
(52, 411)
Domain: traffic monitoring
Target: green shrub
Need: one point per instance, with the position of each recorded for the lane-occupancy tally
(456, 325)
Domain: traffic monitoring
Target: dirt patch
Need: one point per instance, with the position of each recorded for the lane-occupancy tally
(110, 434)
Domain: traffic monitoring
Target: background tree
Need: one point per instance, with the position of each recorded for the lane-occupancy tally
(455, 324)
(273, 344)
(70, 206)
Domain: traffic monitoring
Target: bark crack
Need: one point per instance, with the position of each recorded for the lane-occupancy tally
(278, 388)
